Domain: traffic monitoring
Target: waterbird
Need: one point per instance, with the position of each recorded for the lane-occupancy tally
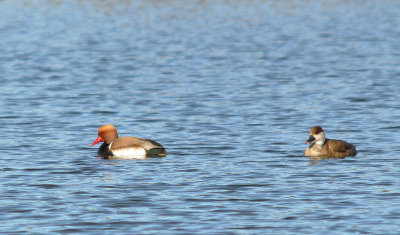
(323, 147)
(126, 147)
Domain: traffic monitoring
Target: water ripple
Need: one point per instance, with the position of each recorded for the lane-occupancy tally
(230, 88)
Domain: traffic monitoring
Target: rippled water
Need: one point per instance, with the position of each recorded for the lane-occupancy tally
(231, 88)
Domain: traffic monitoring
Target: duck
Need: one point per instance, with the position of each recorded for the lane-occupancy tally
(322, 147)
(126, 147)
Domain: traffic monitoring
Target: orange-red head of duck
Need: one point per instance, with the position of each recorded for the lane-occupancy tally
(107, 134)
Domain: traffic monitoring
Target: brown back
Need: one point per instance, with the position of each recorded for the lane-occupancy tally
(128, 141)
(339, 148)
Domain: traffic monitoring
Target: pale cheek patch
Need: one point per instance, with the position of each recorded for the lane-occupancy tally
(320, 138)
(130, 153)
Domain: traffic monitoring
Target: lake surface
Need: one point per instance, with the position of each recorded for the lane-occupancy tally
(231, 88)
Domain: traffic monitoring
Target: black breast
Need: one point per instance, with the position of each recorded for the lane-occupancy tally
(104, 151)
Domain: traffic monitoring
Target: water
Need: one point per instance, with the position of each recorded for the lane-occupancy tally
(231, 88)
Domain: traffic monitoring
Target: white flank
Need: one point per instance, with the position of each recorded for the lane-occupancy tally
(129, 153)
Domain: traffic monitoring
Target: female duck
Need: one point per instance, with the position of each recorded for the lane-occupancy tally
(322, 147)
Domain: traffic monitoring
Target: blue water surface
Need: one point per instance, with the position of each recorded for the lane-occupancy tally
(230, 88)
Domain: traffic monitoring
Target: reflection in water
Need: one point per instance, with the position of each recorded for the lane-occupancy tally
(317, 158)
